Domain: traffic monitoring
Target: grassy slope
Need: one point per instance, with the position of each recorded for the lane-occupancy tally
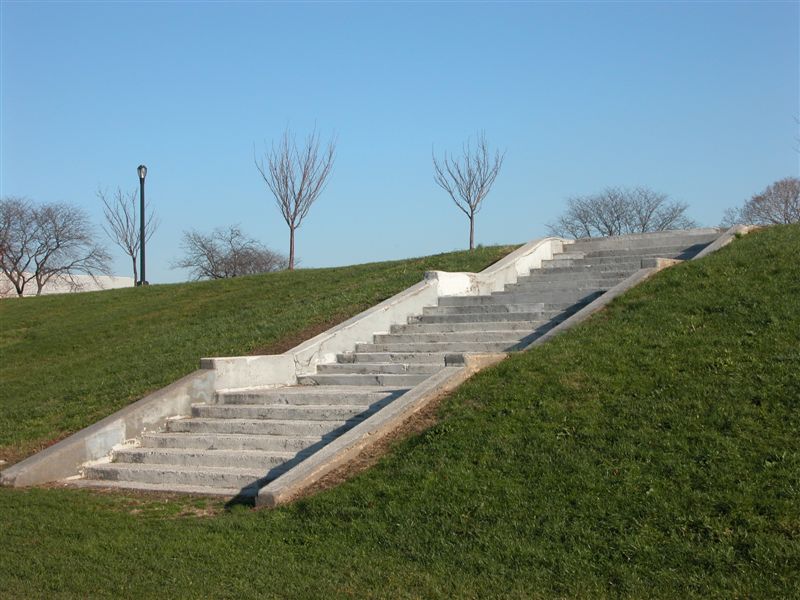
(652, 452)
(69, 360)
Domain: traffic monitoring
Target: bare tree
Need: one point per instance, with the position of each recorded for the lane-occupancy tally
(620, 211)
(122, 223)
(40, 243)
(778, 204)
(17, 241)
(226, 253)
(296, 176)
(469, 178)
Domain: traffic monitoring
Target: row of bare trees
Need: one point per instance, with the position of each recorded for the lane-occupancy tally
(39, 244)
(55, 240)
(620, 211)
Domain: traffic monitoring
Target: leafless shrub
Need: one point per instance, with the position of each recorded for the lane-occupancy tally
(468, 178)
(226, 252)
(40, 243)
(122, 224)
(778, 204)
(620, 211)
(296, 176)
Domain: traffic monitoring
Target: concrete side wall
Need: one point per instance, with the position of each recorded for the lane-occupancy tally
(95, 442)
(502, 273)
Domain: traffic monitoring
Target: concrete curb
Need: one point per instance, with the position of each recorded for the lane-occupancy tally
(63, 459)
(294, 483)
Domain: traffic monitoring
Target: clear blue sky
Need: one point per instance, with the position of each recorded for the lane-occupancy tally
(697, 100)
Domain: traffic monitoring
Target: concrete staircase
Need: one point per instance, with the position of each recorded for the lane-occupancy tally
(249, 437)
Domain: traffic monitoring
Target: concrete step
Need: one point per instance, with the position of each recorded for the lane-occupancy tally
(308, 412)
(378, 368)
(603, 261)
(533, 304)
(579, 269)
(481, 306)
(570, 254)
(260, 426)
(567, 297)
(197, 490)
(675, 251)
(476, 347)
(405, 380)
(543, 287)
(213, 477)
(237, 459)
(430, 358)
(222, 441)
(657, 239)
(302, 394)
(485, 314)
(450, 336)
(464, 327)
(552, 276)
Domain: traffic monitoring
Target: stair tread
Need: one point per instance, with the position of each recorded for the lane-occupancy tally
(332, 389)
(164, 487)
(255, 421)
(279, 406)
(146, 450)
(247, 471)
(233, 436)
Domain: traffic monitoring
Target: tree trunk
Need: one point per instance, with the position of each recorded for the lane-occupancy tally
(291, 248)
(135, 270)
(472, 231)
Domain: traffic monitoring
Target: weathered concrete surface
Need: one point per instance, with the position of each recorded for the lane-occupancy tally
(149, 414)
(295, 482)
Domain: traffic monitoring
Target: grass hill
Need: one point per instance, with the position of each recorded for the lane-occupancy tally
(651, 452)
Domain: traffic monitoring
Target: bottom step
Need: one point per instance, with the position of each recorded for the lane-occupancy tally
(214, 477)
(165, 488)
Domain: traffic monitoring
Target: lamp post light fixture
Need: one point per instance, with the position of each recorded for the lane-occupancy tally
(142, 174)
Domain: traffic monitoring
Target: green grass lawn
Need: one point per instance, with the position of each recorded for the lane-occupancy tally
(651, 452)
(67, 361)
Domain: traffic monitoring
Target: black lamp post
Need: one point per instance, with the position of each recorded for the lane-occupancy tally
(142, 174)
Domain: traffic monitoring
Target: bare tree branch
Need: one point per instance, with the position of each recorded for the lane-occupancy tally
(51, 241)
(226, 253)
(467, 179)
(122, 223)
(620, 211)
(296, 176)
(778, 204)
